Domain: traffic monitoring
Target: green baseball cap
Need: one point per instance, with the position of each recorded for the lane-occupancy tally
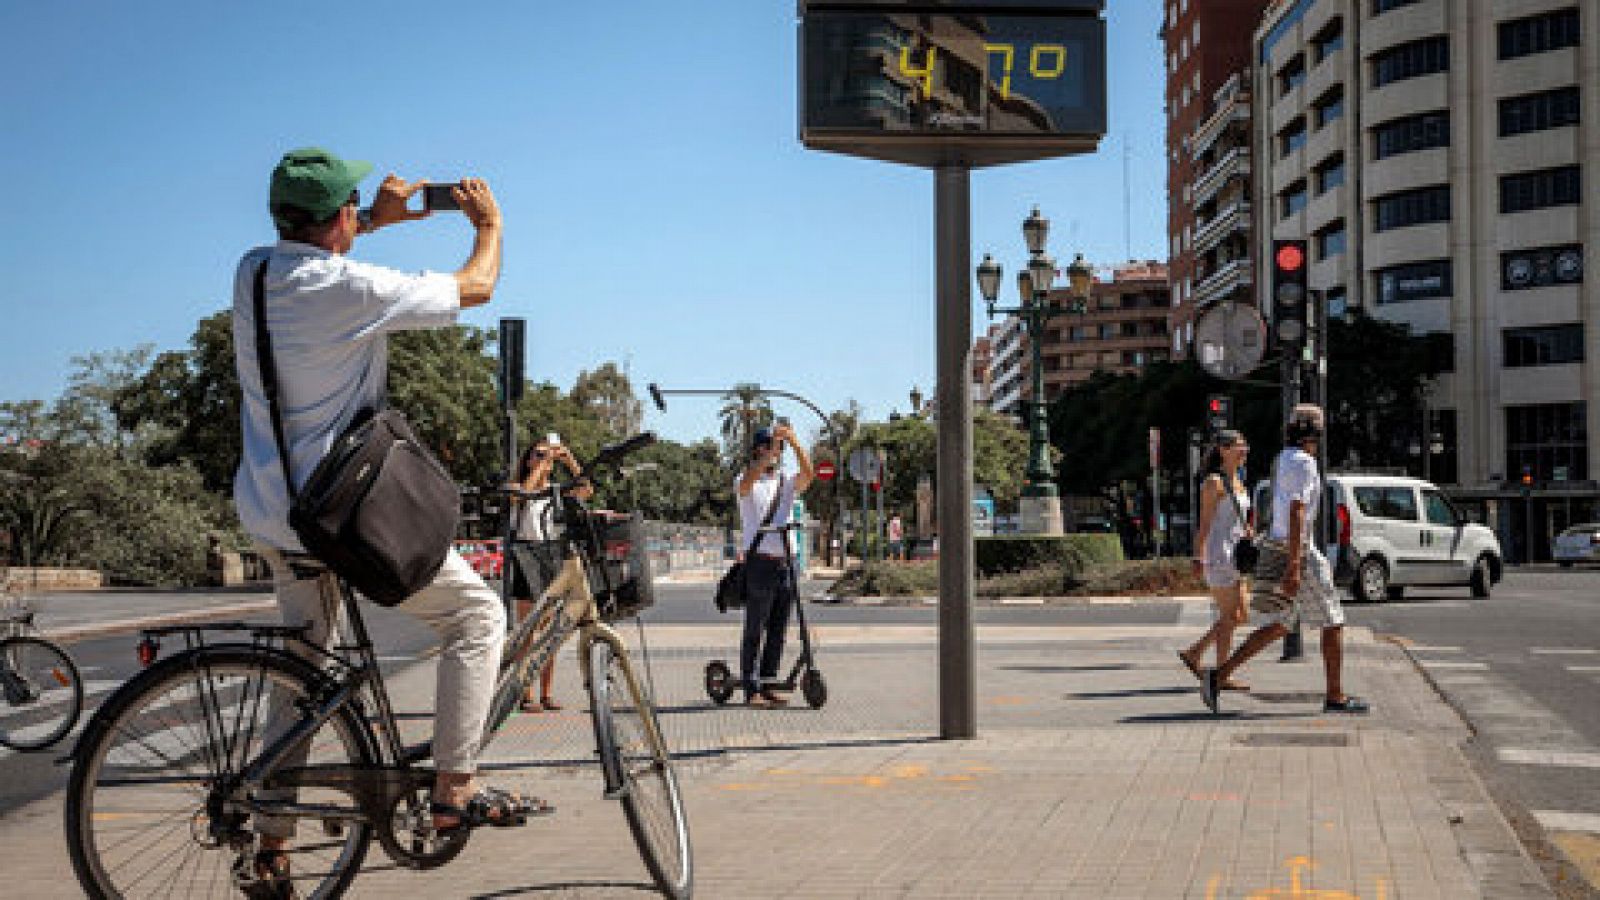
(314, 180)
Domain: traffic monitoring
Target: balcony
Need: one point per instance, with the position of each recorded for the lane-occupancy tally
(1232, 276)
(1236, 217)
(1235, 163)
(1213, 127)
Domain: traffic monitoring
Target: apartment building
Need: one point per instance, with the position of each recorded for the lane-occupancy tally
(1124, 329)
(1442, 157)
(1208, 49)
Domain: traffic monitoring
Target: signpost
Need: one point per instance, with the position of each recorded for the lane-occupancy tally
(951, 85)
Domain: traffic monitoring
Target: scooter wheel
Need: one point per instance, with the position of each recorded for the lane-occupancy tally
(814, 689)
(719, 681)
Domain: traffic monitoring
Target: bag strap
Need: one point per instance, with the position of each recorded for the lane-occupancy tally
(269, 375)
(772, 510)
(1238, 511)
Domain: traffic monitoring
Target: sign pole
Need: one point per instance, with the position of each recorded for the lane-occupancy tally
(958, 716)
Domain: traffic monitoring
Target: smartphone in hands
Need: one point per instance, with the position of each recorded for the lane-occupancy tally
(438, 197)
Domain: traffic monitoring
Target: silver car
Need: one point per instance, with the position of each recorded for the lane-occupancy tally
(1578, 544)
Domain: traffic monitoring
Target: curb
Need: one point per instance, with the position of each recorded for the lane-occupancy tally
(926, 600)
(74, 633)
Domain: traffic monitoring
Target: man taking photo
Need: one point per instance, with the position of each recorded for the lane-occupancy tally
(767, 494)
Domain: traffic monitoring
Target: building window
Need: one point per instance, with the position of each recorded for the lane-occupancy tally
(1537, 112)
(1411, 134)
(1292, 200)
(1561, 186)
(1130, 329)
(1545, 437)
(1379, 7)
(1539, 34)
(1338, 301)
(1331, 240)
(1414, 281)
(1107, 332)
(1411, 60)
(1330, 107)
(1416, 207)
(1547, 345)
(1291, 75)
(1541, 267)
(1330, 174)
(1328, 40)
(1292, 138)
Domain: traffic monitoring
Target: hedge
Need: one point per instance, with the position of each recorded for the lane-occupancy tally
(1073, 552)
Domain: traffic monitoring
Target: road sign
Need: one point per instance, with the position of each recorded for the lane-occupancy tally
(1230, 340)
(826, 471)
(864, 465)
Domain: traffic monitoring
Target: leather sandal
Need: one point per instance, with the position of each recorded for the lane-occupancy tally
(490, 806)
(530, 705)
(269, 877)
(550, 704)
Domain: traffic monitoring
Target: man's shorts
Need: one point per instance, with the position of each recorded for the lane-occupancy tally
(1317, 604)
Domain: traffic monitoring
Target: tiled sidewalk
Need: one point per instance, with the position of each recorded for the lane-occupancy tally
(1097, 774)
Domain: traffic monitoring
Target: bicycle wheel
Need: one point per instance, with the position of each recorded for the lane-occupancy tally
(636, 761)
(146, 814)
(42, 693)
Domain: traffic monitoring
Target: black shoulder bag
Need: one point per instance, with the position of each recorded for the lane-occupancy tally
(730, 590)
(1245, 551)
(378, 509)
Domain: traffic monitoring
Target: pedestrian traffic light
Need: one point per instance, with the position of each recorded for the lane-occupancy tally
(1219, 413)
(1527, 476)
(1289, 294)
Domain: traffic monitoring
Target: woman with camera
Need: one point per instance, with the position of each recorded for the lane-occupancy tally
(1224, 520)
(532, 560)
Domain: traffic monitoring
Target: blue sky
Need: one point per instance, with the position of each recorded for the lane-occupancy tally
(660, 209)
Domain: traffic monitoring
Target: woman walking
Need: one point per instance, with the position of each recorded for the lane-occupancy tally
(1224, 519)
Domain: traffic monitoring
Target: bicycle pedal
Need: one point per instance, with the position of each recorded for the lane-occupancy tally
(333, 828)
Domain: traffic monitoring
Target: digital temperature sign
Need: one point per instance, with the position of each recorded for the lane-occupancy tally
(973, 88)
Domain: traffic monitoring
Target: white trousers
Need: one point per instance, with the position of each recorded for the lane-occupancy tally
(470, 621)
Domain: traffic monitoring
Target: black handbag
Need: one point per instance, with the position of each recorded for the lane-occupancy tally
(1246, 553)
(730, 589)
(378, 509)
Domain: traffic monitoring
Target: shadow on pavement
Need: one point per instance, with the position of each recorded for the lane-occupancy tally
(1131, 692)
(1056, 670)
(563, 886)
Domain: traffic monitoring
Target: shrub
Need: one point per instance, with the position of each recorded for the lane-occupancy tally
(1016, 553)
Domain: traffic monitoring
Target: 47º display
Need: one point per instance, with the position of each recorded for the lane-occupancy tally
(942, 74)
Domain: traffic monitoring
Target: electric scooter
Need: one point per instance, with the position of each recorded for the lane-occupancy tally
(720, 680)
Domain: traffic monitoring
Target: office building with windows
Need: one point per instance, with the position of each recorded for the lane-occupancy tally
(1208, 157)
(1442, 159)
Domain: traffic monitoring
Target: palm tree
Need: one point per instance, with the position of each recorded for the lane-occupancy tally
(744, 409)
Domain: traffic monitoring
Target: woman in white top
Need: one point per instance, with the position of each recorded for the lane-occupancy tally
(1223, 521)
(532, 563)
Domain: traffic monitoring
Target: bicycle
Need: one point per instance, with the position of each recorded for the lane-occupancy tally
(39, 682)
(179, 756)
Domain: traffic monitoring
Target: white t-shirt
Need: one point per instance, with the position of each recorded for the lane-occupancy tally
(329, 318)
(753, 509)
(1296, 479)
(536, 523)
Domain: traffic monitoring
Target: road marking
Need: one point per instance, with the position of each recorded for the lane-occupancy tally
(1582, 669)
(1563, 651)
(1568, 821)
(1021, 601)
(1532, 757)
(1433, 648)
(1453, 664)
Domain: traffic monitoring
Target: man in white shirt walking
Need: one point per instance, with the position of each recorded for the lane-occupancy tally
(769, 581)
(1292, 576)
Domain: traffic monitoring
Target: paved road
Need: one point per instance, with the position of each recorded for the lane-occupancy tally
(1524, 668)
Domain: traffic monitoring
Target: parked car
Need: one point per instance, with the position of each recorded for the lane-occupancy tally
(1392, 532)
(483, 555)
(1578, 544)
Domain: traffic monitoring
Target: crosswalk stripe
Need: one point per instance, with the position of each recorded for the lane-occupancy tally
(1434, 648)
(1454, 664)
(1568, 821)
(1583, 669)
(1563, 651)
(1530, 756)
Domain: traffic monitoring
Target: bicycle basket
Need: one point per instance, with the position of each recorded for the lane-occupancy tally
(622, 583)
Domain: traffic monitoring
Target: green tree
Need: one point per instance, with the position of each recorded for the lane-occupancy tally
(744, 409)
(607, 395)
(187, 403)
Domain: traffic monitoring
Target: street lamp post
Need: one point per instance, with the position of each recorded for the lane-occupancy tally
(1041, 499)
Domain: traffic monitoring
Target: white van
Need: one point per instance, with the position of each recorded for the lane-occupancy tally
(1391, 532)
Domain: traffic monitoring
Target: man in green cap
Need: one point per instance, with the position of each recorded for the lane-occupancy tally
(329, 318)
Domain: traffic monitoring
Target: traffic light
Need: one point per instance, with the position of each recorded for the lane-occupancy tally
(1527, 476)
(1219, 413)
(1289, 318)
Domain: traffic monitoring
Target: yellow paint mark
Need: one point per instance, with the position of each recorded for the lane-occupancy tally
(738, 787)
(782, 772)
(909, 771)
(1211, 887)
(974, 767)
(1298, 866)
(1584, 852)
(1383, 889)
(1008, 700)
(956, 778)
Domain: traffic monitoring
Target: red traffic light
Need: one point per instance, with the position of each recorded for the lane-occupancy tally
(1290, 258)
(1216, 404)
